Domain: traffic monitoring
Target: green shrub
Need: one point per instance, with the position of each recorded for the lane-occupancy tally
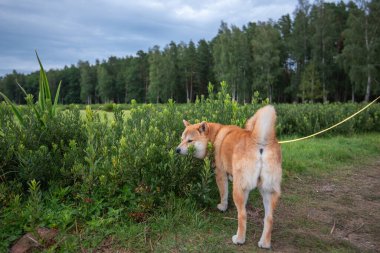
(38, 142)
(9, 140)
(305, 119)
(107, 107)
(46, 153)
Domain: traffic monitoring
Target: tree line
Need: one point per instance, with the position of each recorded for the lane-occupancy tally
(323, 52)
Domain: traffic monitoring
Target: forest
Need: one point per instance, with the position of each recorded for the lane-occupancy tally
(323, 52)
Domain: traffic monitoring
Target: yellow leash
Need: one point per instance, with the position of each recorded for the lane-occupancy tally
(337, 124)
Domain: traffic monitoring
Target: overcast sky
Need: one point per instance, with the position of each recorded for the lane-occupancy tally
(66, 31)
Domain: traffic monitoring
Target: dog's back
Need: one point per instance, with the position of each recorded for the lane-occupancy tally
(251, 153)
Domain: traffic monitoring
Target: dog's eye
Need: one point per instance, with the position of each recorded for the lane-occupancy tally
(190, 141)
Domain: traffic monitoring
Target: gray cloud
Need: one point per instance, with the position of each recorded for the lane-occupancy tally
(66, 31)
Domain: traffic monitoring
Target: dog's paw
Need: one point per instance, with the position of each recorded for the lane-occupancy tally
(235, 240)
(222, 207)
(264, 245)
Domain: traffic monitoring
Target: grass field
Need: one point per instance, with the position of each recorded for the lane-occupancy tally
(181, 226)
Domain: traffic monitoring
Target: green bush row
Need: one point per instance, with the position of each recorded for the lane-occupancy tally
(69, 148)
(67, 145)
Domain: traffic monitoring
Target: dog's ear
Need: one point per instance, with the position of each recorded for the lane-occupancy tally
(186, 123)
(203, 127)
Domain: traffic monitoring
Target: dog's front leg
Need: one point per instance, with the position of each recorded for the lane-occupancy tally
(222, 182)
(240, 197)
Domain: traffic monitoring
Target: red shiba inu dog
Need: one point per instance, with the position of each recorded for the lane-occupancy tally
(252, 156)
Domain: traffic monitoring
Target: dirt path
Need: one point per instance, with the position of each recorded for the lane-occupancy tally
(339, 211)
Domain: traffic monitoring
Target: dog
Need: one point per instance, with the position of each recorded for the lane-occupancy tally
(252, 156)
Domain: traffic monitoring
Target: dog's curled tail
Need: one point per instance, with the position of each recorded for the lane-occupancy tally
(262, 125)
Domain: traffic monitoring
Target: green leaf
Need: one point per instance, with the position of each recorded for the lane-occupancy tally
(15, 110)
(39, 116)
(44, 94)
(56, 97)
(22, 89)
(41, 94)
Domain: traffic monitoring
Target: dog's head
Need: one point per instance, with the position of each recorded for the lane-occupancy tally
(194, 136)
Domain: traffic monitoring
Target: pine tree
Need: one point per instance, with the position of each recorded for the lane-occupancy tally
(87, 82)
(300, 41)
(361, 46)
(155, 74)
(190, 70)
(204, 67)
(266, 46)
(105, 83)
(284, 26)
(310, 86)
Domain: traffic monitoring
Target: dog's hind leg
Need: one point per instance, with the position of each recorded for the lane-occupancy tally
(222, 182)
(240, 198)
(270, 199)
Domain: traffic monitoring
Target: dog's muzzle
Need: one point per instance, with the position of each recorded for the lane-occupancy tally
(178, 150)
